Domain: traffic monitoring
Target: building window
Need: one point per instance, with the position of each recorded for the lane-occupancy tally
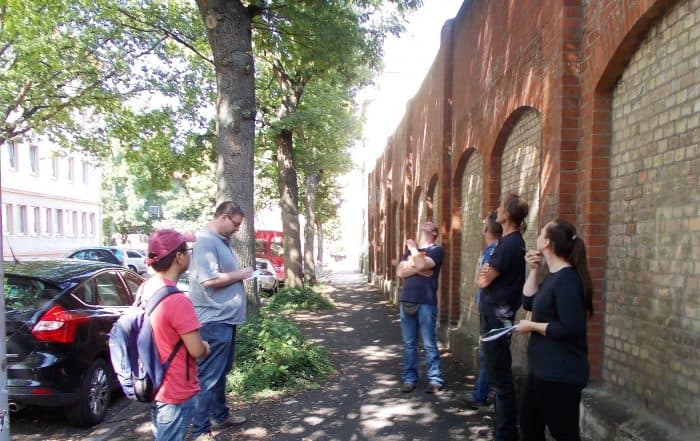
(71, 169)
(59, 222)
(54, 167)
(22, 219)
(34, 159)
(8, 219)
(75, 223)
(86, 171)
(92, 225)
(37, 221)
(48, 222)
(12, 155)
(83, 223)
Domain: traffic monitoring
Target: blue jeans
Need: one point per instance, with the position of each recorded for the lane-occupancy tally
(170, 421)
(424, 322)
(481, 386)
(212, 372)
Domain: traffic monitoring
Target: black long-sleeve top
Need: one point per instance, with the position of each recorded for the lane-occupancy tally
(562, 354)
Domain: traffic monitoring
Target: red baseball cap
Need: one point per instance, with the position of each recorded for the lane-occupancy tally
(163, 242)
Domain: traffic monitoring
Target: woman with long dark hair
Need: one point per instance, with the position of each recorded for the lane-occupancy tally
(558, 350)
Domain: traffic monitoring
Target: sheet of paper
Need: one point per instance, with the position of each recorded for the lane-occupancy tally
(497, 333)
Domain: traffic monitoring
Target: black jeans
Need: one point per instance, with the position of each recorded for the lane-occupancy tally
(550, 404)
(500, 377)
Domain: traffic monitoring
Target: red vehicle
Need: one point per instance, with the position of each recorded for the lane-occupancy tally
(269, 245)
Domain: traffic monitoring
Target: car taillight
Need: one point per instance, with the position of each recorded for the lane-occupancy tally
(58, 325)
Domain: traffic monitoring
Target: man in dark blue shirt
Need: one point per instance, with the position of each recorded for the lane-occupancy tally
(501, 281)
(420, 268)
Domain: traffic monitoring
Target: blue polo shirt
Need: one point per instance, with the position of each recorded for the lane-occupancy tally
(422, 289)
(212, 255)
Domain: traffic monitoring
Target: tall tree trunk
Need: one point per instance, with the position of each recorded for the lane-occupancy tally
(310, 228)
(228, 25)
(289, 204)
(319, 232)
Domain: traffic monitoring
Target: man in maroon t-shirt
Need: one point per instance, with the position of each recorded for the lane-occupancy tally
(174, 319)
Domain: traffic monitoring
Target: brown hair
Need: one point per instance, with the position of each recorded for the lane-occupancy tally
(491, 225)
(517, 208)
(229, 208)
(567, 245)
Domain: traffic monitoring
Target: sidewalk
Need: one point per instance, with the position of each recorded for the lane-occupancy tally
(363, 401)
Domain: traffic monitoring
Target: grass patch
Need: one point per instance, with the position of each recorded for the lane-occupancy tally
(274, 358)
(300, 299)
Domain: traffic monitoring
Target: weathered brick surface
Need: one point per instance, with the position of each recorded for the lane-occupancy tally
(652, 321)
(520, 174)
(614, 88)
(471, 246)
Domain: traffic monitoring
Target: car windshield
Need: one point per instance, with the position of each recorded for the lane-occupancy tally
(25, 294)
(117, 252)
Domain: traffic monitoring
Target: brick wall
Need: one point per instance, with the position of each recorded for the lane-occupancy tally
(470, 247)
(616, 90)
(652, 324)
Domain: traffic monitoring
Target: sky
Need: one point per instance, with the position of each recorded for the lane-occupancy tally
(406, 62)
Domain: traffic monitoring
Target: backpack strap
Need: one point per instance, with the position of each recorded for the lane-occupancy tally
(152, 303)
(159, 296)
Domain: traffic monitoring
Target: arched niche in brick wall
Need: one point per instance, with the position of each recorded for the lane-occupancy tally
(417, 211)
(432, 202)
(645, 131)
(468, 193)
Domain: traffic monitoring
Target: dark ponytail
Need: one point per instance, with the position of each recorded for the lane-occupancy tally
(567, 245)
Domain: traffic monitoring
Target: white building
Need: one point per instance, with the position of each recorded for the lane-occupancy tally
(51, 200)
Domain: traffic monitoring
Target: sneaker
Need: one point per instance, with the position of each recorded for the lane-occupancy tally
(232, 420)
(204, 437)
(433, 388)
(408, 387)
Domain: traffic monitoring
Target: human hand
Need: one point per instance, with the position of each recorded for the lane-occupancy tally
(534, 259)
(484, 269)
(411, 245)
(207, 348)
(246, 272)
(524, 327)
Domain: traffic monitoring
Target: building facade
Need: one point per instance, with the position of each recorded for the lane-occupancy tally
(591, 110)
(51, 200)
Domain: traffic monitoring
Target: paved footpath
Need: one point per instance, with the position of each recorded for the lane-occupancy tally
(361, 402)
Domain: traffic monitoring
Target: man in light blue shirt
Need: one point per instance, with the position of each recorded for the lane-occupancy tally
(218, 296)
(491, 231)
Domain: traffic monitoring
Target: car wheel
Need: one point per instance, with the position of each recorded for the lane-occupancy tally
(95, 393)
(133, 268)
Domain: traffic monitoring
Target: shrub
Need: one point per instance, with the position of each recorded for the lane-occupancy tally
(273, 357)
(296, 299)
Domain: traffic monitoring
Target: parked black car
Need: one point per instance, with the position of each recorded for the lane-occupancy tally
(58, 316)
(113, 255)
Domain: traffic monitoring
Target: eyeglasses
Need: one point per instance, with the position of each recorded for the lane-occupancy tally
(237, 224)
(185, 251)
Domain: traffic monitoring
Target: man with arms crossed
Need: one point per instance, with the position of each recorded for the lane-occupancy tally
(420, 269)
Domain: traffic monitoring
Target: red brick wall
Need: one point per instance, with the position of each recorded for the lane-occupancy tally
(562, 58)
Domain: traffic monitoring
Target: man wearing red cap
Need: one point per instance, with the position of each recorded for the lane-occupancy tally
(217, 292)
(174, 319)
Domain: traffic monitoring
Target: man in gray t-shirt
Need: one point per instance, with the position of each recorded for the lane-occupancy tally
(218, 296)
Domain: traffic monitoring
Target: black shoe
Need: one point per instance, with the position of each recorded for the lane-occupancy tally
(433, 388)
(408, 387)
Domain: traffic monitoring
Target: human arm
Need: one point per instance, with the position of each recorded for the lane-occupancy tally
(570, 312)
(225, 279)
(196, 347)
(487, 274)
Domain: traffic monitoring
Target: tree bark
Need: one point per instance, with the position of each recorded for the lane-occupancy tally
(289, 204)
(319, 231)
(310, 228)
(228, 25)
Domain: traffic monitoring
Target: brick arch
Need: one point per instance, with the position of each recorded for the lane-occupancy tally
(493, 186)
(415, 212)
(430, 200)
(635, 190)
